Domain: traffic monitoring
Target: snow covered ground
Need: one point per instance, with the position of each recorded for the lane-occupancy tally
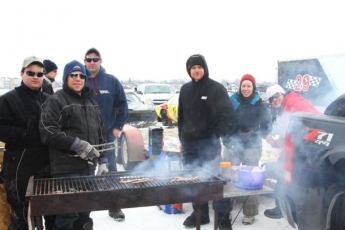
(152, 217)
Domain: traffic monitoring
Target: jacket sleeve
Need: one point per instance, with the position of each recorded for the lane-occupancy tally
(226, 110)
(50, 124)
(10, 130)
(121, 107)
(265, 121)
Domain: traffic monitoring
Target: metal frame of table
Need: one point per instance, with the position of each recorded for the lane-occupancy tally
(230, 191)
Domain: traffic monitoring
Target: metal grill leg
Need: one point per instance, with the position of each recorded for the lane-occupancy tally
(215, 215)
(39, 222)
(198, 214)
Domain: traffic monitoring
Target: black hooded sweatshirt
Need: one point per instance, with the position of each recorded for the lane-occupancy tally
(205, 109)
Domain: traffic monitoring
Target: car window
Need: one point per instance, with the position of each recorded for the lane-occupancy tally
(159, 89)
(131, 97)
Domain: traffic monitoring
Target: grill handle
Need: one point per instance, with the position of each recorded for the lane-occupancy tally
(30, 188)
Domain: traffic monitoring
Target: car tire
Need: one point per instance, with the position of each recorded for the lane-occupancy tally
(165, 119)
(119, 154)
(127, 165)
(338, 213)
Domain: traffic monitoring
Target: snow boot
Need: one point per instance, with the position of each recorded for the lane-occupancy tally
(117, 214)
(83, 225)
(190, 222)
(274, 213)
(224, 221)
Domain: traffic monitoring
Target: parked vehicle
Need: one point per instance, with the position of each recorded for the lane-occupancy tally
(167, 113)
(130, 143)
(313, 196)
(159, 93)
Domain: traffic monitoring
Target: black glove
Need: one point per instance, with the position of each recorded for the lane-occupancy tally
(84, 149)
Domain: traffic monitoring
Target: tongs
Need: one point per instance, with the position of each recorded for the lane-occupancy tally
(105, 144)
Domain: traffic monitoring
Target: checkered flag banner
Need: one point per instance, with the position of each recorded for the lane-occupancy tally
(292, 83)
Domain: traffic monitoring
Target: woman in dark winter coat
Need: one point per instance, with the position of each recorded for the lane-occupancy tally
(253, 123)
(70, 125)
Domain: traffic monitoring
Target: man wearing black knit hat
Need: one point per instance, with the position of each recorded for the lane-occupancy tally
(49, 78)
(204, 113)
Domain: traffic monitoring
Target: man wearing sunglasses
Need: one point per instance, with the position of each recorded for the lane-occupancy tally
(71, 125)
(287, 103)
(112, 102)
(25, 156)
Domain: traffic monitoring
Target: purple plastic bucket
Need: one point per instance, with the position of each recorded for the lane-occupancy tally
(247, 179)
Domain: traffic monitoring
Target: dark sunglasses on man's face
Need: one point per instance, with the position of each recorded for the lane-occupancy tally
(32, 73)
(92, 59)
(276, 95)
(75, 75)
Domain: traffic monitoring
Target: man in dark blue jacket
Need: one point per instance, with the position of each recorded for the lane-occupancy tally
(204, 113)
(112, 102)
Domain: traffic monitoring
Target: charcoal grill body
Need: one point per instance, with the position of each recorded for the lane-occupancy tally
(92, 193)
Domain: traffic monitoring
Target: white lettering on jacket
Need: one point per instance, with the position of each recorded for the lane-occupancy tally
(104, 91)
(203, 97)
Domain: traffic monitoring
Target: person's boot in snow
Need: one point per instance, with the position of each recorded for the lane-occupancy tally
(248, 220)
(190, 222)
(224, 221)
(83, 225)
(117, 214)
(274, 213)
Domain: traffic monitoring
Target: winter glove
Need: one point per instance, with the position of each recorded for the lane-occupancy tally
(102, 168)
(83, 149)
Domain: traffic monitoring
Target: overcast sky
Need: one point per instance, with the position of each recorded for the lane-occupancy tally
(152, 39)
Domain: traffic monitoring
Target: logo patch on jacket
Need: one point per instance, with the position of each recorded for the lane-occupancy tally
(103, 91)
(203, 97)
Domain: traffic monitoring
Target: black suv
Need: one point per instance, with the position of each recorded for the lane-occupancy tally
(313, 196)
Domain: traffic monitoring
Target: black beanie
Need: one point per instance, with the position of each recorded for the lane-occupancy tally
(49, 66)
(197, 59)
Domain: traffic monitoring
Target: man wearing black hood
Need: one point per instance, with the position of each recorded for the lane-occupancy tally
(204, 113)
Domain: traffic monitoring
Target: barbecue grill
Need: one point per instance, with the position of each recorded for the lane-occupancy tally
(120, 189)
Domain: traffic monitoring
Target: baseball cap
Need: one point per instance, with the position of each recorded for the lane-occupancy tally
(30, 60)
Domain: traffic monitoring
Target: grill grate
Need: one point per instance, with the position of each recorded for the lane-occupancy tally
(113, 182)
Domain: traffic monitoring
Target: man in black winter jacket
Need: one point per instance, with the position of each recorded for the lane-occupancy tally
(70, 125)
(25, 155)
(204, 113)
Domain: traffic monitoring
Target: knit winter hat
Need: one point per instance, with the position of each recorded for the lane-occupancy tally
(248, 77)
(71, 67)
(49, 65)
(197, 59)
(273, 90)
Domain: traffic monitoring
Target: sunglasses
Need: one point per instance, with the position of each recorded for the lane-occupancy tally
(32, 73)
(92, 59)
(276, 95)
(75, 75)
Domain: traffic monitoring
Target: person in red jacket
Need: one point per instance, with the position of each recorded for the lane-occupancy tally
(285, 103)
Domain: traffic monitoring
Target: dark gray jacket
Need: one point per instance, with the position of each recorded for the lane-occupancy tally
(65, 116)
